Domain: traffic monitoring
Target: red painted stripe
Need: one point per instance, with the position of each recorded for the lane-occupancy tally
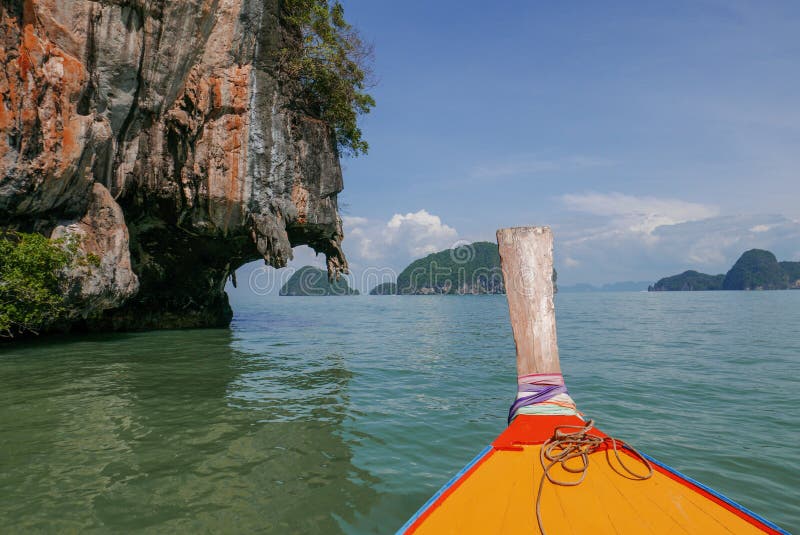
(528, 429)
(450, 490)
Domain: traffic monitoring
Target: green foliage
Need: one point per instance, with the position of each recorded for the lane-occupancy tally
(331, 64)
(311, 281)
(792, 270)
(756, 269)
(472, 268)
(30, 295)
(689, 281)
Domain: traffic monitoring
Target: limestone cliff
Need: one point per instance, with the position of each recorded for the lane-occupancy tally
(161, 133)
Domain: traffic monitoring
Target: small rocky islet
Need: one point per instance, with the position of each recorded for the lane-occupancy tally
(311, 281)
(469, 269)
(756, 269)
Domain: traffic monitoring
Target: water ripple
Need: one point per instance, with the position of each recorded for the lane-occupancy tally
(363, 407)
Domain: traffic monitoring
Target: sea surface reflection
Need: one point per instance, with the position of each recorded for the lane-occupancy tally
(344, 414)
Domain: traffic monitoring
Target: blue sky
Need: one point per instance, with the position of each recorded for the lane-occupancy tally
(652, 136)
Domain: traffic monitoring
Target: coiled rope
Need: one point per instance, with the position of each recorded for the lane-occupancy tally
(565, 446)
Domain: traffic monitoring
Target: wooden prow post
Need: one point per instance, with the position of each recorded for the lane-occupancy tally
(526, 256)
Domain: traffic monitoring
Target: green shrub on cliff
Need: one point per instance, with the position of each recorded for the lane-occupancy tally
(30, 296)
(332, 66)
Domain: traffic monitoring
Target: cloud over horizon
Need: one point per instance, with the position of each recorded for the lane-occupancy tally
(638, 214)
(412, 235)
(599, 238)
(624, 237)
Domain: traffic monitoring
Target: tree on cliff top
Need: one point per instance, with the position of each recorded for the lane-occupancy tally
(332, 66)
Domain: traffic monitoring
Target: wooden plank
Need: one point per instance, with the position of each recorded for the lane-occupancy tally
(526, 257)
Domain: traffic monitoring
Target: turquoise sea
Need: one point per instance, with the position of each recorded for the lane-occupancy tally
(344, 414)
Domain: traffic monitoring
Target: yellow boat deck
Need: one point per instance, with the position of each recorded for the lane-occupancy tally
(498, 495)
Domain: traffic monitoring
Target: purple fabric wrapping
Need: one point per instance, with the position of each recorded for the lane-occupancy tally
(541, 386)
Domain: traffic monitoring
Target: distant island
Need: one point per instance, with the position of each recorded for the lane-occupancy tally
(470, 269)
(688, 281)
(311, 281)
(384, 288)
(756, 269)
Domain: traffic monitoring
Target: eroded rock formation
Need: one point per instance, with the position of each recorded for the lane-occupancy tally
(162, 134)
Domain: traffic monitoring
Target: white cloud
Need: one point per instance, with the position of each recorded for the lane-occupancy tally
(357, 231)
(377, 250)
(613, 237)
(613, 253)
(352, 221)
(638, 214)
(405, 236)
(714, 244)
(420, 232)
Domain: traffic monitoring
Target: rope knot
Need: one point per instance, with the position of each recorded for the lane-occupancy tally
(579, 444)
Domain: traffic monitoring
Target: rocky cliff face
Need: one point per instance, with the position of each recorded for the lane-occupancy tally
(161, 133)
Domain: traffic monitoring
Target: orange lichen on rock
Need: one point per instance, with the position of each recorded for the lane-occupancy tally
(215, 108)
(41, 88)
(300, 201)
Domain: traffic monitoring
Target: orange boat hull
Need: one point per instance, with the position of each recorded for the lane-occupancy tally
(497, 493)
